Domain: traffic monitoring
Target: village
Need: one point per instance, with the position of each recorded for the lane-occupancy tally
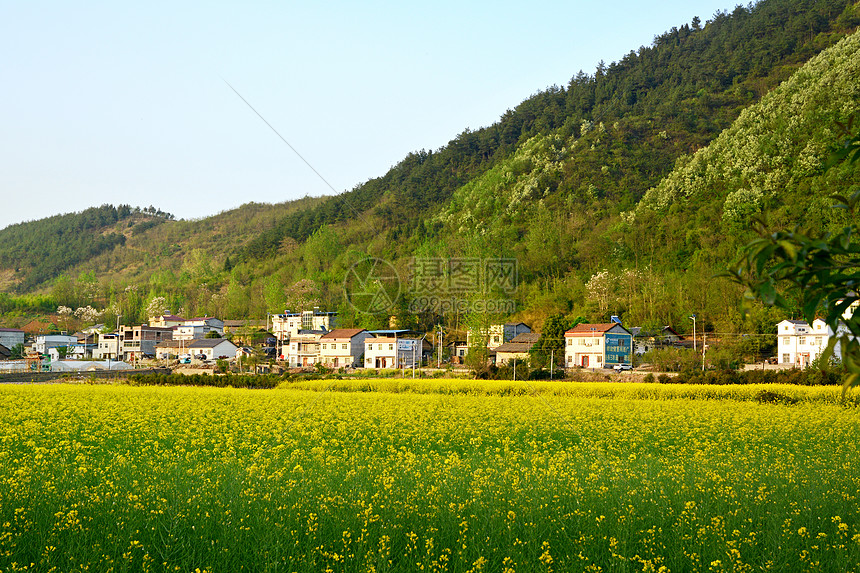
(311, 339)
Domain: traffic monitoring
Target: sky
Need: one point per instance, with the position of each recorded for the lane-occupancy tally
(118, 102)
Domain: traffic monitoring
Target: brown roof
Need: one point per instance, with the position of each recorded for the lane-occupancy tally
(586, 328)
(515, 347)
(527, 337)
(343, 333)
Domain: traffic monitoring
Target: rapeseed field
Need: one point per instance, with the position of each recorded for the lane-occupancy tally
(449, 476)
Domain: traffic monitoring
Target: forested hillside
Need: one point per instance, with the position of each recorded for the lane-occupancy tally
(623, 192)
(38, 251)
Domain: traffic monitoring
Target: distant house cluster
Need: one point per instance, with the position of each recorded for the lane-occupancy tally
(311, 338)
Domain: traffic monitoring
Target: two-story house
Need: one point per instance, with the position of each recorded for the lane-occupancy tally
(597, 345)
(288, 324)
(136, 342)
(343, 347)
(394, 349)
(303, 349)
(798, 343)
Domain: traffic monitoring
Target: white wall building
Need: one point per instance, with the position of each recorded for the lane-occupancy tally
(287, 325)
(798, 343)
(213, 348)
(342, 347)
(48, 341)
(194, 328)
(394, 349)
(380, 352)
(303, 350)
(597, 345)
(108, 346)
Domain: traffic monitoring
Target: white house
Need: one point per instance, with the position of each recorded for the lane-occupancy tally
(9, 337)
(517, 349)
(213, 348)
(303, 350)
(48, 341)
(342, 347)
(288, 324)
(597, 345)
(394, 349)
(198, 328)
(798, 343)
(108, 346)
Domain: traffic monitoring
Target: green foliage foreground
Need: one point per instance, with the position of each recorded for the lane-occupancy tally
(120, 478)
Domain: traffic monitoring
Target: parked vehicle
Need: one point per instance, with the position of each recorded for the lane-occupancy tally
(622, 367)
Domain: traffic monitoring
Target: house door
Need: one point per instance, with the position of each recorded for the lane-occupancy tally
(585, 361)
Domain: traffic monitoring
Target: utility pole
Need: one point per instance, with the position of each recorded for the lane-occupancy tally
(693, 318)
(439, 357)
(551, 362)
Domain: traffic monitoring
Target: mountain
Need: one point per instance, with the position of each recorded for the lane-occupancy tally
(622, 192)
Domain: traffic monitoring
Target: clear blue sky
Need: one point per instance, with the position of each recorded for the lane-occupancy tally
(115, 102)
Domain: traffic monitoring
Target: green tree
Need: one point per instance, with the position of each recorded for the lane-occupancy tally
(551, 342)
(821, 270)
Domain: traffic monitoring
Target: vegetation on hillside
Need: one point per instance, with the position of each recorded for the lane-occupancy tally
(605, 191)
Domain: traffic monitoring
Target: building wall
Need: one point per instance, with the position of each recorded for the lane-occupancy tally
(800, 344)
(342, 352)
(10, 338)
(380, 353)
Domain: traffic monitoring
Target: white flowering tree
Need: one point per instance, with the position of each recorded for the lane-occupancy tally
(601, 288)
(88, 314)
(157, 307)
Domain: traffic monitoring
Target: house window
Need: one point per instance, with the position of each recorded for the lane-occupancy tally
(785, 340)
(597, 343)
(801, 340)
(324, 347)
(344, 346)
(390, 347)
(786, 359)
(599, 359)
(569, 359)
(570, 342)
(819, 340)
(370, 347)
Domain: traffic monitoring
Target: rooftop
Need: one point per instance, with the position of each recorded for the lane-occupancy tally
(343, 333)
(586, 328)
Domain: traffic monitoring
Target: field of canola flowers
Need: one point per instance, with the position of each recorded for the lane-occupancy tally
(587, 477)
